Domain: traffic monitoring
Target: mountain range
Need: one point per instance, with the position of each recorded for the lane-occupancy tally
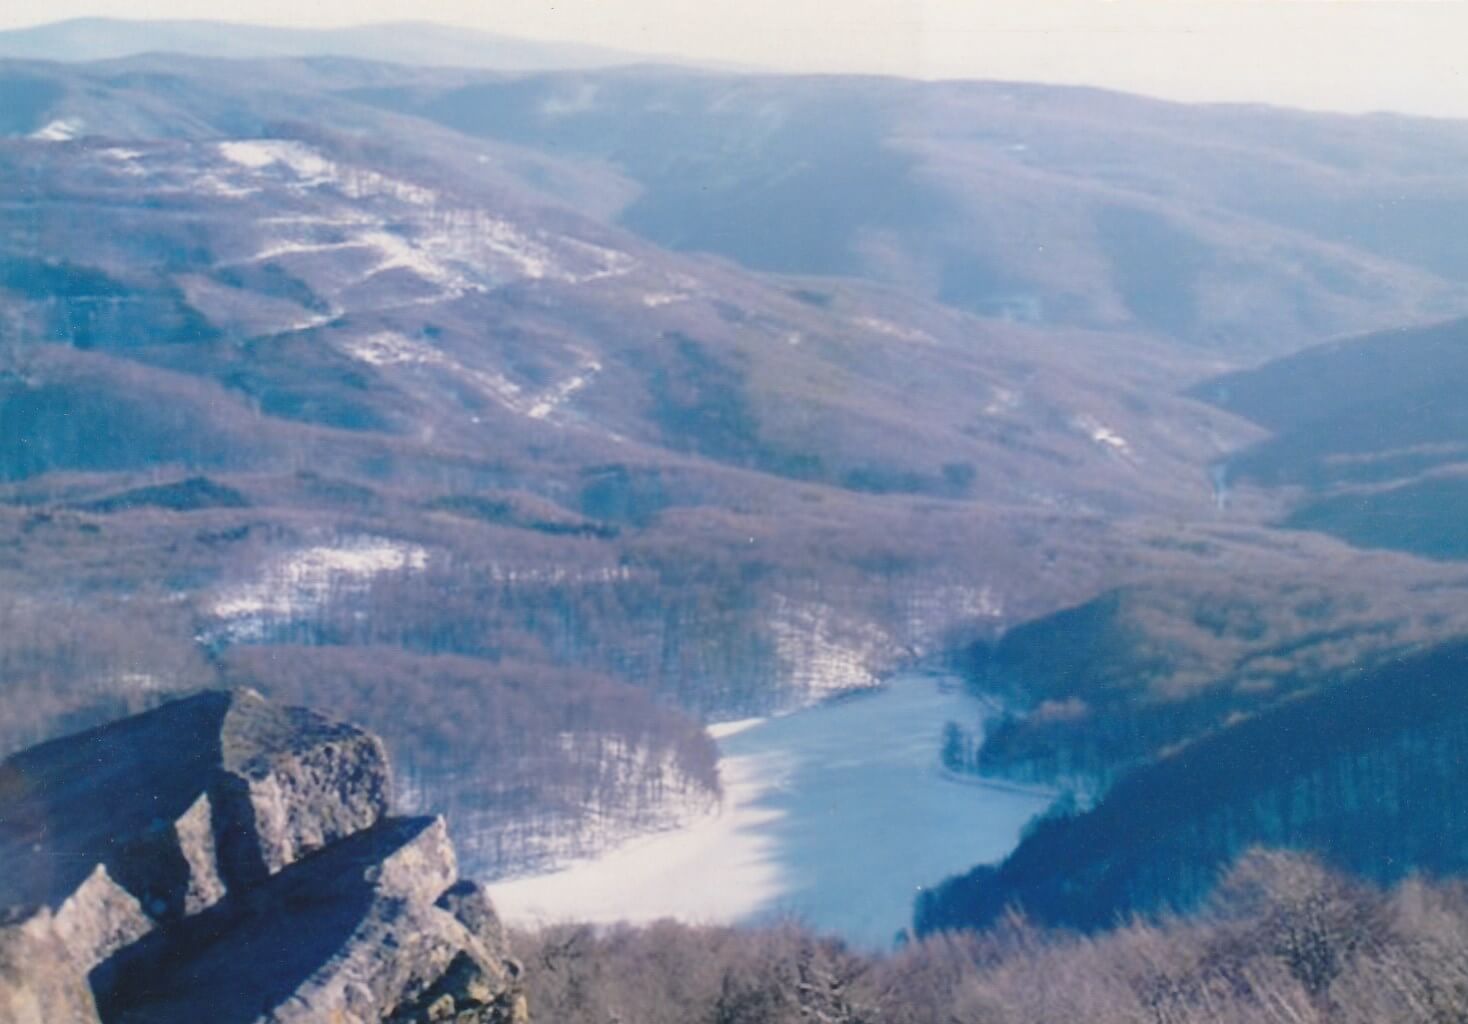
(538, 416)
(422, 43)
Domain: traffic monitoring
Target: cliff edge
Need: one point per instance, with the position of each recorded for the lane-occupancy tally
(225, 857)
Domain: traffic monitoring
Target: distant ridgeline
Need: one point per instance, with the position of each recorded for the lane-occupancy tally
(1368, 772)
(1370, 432)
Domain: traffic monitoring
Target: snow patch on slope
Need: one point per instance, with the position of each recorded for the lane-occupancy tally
(277, 249)
(549, 401)
(61, 130)
(388, 348)
(127, 160)
(823, 655)
(397, 252)
(313, 170)
(300, 583)
(454, 248)
(910, 334)
(587, 261)
(932, 611)
(1103, 435)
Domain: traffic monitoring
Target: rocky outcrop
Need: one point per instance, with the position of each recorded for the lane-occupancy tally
(37, 985)
(228, 859)
(183, 803)
(99, 919)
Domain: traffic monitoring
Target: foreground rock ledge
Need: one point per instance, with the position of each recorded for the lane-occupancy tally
(223, 858)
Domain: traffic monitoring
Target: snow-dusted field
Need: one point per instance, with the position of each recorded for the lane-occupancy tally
(838, 815)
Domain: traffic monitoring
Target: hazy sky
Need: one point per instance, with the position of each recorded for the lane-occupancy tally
(1404, 55)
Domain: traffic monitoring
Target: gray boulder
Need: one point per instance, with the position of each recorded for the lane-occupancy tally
(99, 919)
(471, 906)
(184, 802)
(351, 934)
(224, 858)
(291, 781)
(57, 994)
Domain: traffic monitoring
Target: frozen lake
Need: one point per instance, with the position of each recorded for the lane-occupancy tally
(837, 815)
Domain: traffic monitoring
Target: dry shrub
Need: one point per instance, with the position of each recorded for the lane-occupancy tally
(1284, 941)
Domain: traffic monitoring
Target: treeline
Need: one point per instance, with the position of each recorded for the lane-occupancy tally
(68, 665)
(528, 762)
(1282, 941)
(543, 688)
(706, 627)
(1100, 688)
(1369, 772)
(702, 651)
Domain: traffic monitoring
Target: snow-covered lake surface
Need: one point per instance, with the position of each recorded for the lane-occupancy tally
(837, 815)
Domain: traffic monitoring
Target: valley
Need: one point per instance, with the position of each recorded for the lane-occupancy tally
(545, 416)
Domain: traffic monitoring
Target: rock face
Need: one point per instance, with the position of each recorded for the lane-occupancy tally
(31, 992)
(228, 859)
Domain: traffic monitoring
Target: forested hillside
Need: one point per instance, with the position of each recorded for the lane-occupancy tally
(1364, 771)
(1243, 231)
(538, 419)
(1369, 431)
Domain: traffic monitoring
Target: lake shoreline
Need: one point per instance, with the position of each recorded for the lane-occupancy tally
(836, 815)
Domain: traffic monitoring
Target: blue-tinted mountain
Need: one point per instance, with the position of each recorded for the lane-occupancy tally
(1364, 772)
(1370, 435)
(417, 43)
(1241, 230)
(313, 382)
(304, 394)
